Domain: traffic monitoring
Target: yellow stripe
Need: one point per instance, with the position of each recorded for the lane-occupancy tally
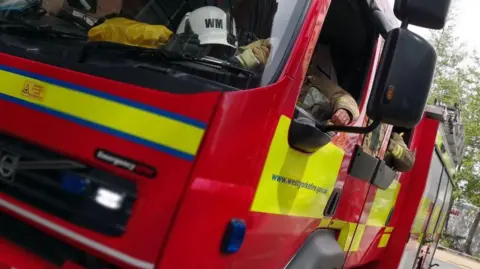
(384, 240)
(293, 183)
(433, 219)
(421, 216)
(324, 222)
(358, 237)
(114, 115)
(347, 231)
(383, 204)
(389, 229)
(420, 237)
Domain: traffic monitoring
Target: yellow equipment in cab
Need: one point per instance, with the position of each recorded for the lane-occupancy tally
(129, 32)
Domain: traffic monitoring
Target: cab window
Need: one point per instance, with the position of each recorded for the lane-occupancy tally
(373, 141)
(350, 33)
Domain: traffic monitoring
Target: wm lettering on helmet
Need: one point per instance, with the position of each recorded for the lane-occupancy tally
(214, 23)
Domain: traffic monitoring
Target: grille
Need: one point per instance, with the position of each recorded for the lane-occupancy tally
(45, 246)
(63, 187)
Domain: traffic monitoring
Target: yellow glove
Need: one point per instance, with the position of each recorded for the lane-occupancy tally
(247, 59)
(254, 54)
(261, 53)
(258, 43)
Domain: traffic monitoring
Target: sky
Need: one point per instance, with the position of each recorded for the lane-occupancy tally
(467, 22)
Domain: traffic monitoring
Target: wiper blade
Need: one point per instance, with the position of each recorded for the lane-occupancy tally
(46, 30)
(165, 56)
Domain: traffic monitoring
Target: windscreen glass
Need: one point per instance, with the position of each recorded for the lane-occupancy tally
(241, 43)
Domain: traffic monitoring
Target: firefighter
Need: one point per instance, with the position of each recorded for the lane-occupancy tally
(398, 156)
(327, 101)
(321, 95)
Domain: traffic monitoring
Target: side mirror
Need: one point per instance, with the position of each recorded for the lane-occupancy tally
(424, 13)
(403, 79)
(304, 135)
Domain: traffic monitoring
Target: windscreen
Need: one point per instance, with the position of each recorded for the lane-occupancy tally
(240, 43)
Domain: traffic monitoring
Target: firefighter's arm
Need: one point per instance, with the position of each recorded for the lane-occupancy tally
(254, 54)
(403, 158)
(339, 98)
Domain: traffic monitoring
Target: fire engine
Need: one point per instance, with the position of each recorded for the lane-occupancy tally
(120, 157)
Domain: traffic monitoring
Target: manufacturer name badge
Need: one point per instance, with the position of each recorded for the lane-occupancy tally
(126, 163)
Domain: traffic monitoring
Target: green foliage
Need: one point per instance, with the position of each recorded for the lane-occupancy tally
(457, 81)
(447, 242)
(451, 81)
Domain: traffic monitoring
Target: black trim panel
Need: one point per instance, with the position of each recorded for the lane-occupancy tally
(384, 176)
(363, 165)
(320, 251)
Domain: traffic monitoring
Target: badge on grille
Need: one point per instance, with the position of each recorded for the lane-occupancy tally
(8, 166)
(125, 163)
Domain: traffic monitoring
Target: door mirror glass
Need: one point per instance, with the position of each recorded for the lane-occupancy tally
(424, 13)
(403, 79)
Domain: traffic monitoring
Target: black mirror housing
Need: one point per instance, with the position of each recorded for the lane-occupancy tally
(424, 13)
(304, 135)
(403, 79)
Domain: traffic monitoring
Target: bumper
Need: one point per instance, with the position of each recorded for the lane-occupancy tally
(18, 258)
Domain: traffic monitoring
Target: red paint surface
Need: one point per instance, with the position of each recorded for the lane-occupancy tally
(146, 231)
(180, 216)
(413, 186)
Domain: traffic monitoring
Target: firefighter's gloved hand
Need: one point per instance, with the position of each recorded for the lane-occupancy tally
(341, 117)
(255, 54)
(403, 158)
(344, 101)
(256, 44)
(247, 59)
(261, 53)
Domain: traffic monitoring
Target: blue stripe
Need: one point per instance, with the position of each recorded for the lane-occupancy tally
(107, 96)
(101, 128)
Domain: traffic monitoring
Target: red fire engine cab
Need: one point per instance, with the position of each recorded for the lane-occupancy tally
(121, 157)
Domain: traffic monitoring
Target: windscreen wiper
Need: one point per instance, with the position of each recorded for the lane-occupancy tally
(43, 30)
(163, 56)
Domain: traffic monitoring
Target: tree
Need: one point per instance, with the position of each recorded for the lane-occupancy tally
(470, 175)
(450, 81)
(457, 81)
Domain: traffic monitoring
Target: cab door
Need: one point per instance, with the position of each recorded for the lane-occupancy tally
(379, 203)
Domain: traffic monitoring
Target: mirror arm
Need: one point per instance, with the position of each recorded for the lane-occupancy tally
(351, 129)
(381, 23)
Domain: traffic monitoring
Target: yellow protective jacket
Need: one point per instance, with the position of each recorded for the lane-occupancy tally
(129, 32)
(335, 97)
(321, 94)
(398, 155)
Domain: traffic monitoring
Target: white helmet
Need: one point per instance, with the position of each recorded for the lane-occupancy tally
(212, 25)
